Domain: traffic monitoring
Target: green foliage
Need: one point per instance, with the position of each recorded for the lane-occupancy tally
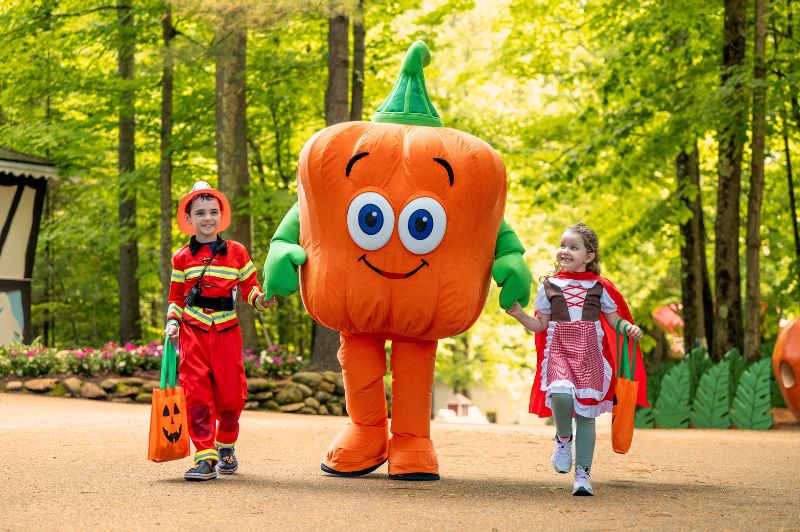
(752, 402)
(644, 418)
(698, 362)
(736, 363)
(672, 406)
(710, 405)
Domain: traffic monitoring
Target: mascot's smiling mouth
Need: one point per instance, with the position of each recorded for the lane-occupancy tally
(391, 275)
(173, 436)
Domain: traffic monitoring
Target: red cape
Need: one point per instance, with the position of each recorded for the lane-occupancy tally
(537, 404)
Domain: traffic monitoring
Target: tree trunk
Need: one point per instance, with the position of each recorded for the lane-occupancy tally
(130, 326)
(165, 263)
(693, 262)
(752, 334)
(325, 343)
(790, 180)
(231, 119)
(357, 100)
(728, 328)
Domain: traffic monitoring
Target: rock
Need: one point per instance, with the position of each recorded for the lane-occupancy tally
(263, 396)
(323, 410)
(40, 385)
(271, 405)
(251, 405)
(322, 397)
(256, 385)
(72, 385)
(327, 387)
(313, 403)
(289, 394)
(92, 391)
(144, 398)
(109, 384)
(308, 410)
(307, 391)
(125, 391)
(121, 400)
(133, 381)
(331, 376)
(308, 378)
(335, 409)
(13, 386)
(149, 386)
(293, 407)
(58, 390)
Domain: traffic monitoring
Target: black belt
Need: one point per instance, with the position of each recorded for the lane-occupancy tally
(214, 303)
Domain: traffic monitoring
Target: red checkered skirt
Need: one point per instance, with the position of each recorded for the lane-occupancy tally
(574, 356)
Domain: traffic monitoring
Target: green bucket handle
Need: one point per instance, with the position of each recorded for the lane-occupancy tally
(626, 357)
(169, 364)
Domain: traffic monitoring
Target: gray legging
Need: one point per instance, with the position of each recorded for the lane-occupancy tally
(562, 404)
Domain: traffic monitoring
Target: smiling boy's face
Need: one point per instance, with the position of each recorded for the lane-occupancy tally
(205, 215)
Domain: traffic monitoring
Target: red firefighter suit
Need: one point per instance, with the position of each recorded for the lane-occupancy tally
(211, 367)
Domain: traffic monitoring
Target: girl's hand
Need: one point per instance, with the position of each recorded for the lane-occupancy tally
(634, 332)
(516, 311)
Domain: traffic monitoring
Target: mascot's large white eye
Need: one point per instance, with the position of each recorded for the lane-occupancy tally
(421, 225)
(370, 220)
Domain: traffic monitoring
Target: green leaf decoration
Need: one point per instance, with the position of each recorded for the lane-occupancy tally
(752, 402)
(698, 362)
(737, 364)
(644, 419)
(672, 407)
(711, 405)
(654, 382)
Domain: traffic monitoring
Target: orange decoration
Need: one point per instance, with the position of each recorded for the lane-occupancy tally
(786, 365)
(169, 434)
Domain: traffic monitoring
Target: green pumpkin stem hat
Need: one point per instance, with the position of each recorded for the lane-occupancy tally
(409, 103)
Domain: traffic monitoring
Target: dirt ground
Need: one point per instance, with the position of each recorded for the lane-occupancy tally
(74, 464)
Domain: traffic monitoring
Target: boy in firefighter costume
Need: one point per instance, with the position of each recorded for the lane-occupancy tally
(396, 234)
(207, 274)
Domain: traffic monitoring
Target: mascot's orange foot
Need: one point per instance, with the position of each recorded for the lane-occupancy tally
(357, 450)
(412, 458)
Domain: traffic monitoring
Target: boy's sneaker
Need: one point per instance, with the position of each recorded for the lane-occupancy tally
(228, 464)
(583, 482)
(202, 470)
(562, 455)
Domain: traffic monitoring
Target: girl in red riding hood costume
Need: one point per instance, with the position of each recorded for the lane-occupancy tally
(577, 311)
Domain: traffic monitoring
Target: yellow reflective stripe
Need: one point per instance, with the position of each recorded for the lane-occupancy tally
(208, 454)
(252, 295)
(247, 271)
(223, 316)
(225, 445)
(222, 272)
(174, 308)
(199, 316)
(177, 275)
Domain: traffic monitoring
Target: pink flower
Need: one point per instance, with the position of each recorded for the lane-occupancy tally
(276, 360)
(129, 347)
(274, 348)
(80, 355)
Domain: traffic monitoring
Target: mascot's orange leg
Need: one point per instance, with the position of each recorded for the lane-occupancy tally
(361, 446)
(411, 453)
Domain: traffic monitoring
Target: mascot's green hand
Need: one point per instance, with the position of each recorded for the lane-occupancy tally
(514, 280)
(281, 277)
(509, 270)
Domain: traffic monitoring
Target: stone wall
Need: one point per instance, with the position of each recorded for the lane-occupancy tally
(303, 393)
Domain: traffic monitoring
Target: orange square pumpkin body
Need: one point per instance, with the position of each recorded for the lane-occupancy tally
(398, 234)
(375, 266)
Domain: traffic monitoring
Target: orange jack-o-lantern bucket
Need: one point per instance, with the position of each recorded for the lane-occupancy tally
(786, 365)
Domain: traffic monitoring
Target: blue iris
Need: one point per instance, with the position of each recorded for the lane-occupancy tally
(370, 219)
(420, 224)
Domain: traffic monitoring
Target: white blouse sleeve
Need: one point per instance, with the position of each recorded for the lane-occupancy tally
(607, 304)
(541, 303)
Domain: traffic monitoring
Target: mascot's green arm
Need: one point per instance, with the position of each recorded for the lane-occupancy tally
(509, 270)
(285, 255)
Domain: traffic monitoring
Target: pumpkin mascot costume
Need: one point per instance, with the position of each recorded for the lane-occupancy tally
(397, 229)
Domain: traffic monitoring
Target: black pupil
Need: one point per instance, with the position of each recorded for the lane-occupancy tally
(421, 223)
(371, 219)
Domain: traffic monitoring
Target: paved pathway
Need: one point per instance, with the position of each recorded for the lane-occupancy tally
(74, 465)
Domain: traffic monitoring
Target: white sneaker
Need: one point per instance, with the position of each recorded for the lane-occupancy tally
(562, 455)
(583, 482)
